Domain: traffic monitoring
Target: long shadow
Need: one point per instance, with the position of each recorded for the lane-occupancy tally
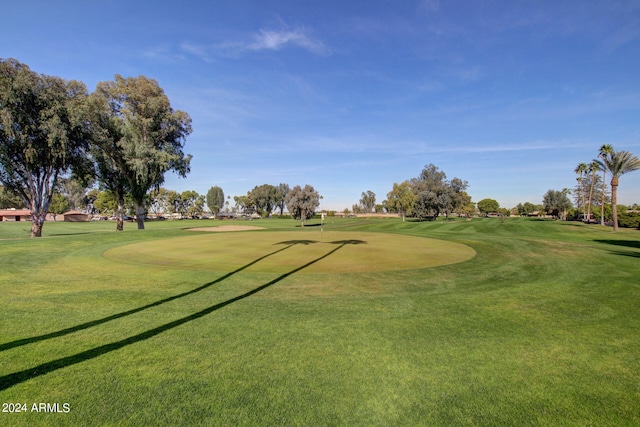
(348, 242)
(15, 378)
(87, 325)
(626, 253)
(297, 242)
(627, 243)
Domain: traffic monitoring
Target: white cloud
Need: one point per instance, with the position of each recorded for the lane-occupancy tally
(263, 40)
(276, 40)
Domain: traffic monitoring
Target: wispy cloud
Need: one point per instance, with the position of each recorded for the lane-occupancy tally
(279, 39)
(263, 40)
(274, 40)
(199, 51)
(163, 53)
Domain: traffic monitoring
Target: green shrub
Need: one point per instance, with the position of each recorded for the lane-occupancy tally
(629, 219)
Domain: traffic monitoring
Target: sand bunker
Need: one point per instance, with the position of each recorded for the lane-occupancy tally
(223, 228)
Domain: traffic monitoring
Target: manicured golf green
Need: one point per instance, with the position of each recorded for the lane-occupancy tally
(369, 322)
(279, 252)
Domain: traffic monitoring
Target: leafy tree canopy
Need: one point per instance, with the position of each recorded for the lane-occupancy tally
(302, 202)
(557, 203)
(44, 133)
(401, 199)
(215, 199)
(9, 199)
(368, 201)
(434, 194)
(281, 195)
(264, 199)
(142, 137)
(486, 206)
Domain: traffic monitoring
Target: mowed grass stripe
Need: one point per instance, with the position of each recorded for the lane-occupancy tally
(541, 327)
(362, 252)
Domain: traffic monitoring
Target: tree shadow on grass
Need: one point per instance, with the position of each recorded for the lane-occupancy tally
(87, 325)
(348, 242)
(626, 253)
(624, 243)
(7, 381)
(627, 243)
(297, 242)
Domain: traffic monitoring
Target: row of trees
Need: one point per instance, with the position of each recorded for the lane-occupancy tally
(429, 195)
(591, 193)
(264, 199)
(300, 202)
(125, 136)
(590, 189)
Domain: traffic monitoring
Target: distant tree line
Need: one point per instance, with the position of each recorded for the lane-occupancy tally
(263, 200)
(300, 202)
(429, 195)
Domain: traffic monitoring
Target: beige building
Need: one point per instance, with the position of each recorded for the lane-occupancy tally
(15, 215)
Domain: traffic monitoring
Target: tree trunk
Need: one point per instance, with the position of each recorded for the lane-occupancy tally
(614, 201)
(119, 209)
(604, 183)
(582, 194)
(590, 200)
(140, 215)
(37, 221)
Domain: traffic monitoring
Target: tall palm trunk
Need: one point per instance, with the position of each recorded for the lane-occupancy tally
(584, 212)
(590, 196)
(604, 190)
(614, 201)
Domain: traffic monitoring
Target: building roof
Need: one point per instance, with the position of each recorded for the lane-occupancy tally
(15, 212)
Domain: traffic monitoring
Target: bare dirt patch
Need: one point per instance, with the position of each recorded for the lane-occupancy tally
(223, 228)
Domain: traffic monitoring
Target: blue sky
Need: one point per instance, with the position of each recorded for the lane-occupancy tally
(350, 96)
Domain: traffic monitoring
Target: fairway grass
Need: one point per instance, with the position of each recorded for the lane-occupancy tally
(537, 324)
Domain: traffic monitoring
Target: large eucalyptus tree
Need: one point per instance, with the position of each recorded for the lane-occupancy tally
(302, 202)
(44, 134)
(143, 137)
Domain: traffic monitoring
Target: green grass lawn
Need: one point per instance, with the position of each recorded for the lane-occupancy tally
(533, 323)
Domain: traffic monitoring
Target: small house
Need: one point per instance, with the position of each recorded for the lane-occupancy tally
(15, 215)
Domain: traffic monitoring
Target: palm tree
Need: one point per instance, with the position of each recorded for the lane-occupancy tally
(618, 163)
(581, 169)
(593, 167)
(605, 150)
